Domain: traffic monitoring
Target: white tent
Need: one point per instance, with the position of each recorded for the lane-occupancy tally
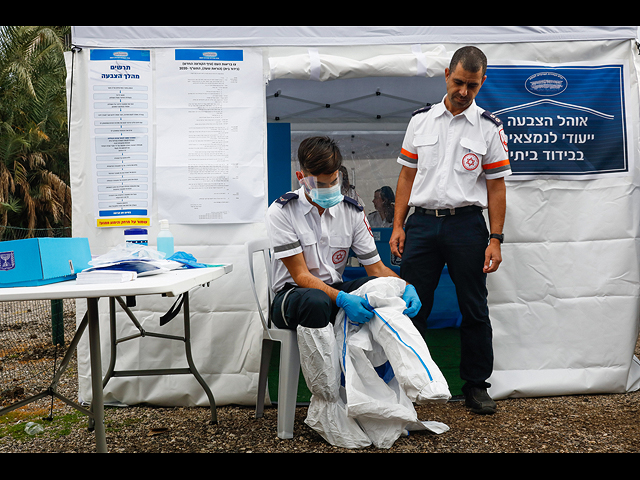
(564, 304)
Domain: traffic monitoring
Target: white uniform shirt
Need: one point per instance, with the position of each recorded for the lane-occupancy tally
(454, 155)
(295, 226)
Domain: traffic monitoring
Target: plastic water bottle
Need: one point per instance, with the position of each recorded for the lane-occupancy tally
(165, 239)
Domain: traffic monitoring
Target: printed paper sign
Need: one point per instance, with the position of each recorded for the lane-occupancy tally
(121, 141)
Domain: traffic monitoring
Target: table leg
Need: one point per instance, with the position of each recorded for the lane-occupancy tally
(96, 375)
(191, 363)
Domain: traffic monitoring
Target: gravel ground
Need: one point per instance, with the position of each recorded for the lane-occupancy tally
(577, 424)
(569, 424)
(580, 423)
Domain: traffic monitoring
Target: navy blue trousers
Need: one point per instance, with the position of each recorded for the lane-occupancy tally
(308, 307)
(459, 241)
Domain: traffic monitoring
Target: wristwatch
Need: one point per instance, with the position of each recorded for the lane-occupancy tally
(499, 236)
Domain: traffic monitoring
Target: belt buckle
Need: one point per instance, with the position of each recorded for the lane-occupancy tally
(451, 212)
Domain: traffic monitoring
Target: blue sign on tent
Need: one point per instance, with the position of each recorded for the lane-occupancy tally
(211, 55)
(560, 121)
(121, 54)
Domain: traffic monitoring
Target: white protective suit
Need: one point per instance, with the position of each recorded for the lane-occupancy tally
(367, 408)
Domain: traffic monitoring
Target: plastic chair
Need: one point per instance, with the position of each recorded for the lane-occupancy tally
(289, 372)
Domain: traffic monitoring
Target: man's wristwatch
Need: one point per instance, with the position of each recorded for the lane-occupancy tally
(499, 236)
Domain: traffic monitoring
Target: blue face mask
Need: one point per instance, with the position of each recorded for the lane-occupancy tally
(323, 197)
(327, 197)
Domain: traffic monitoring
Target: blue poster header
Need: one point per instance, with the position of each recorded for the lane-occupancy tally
(210, 54)
(560, 121)
(121, 54)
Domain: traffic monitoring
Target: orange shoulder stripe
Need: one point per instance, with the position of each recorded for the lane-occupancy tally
(491, 166)
(406, 153)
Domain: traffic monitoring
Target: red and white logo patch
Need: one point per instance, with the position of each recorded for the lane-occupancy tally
(470, 161)
(367, 224)
(339, 257)
(504, 139)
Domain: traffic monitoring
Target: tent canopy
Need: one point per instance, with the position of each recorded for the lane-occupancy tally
(347, 52)
(279, 36)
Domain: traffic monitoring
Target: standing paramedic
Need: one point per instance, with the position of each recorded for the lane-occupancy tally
(311, 231)
(454, 159)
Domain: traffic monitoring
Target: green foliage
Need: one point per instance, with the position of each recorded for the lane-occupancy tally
(34, 162)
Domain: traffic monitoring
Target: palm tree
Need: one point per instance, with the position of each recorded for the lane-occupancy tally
(34, 175)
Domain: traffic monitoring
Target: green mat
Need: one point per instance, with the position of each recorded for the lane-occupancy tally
(443, 343)
(304, 395)
(444, 346)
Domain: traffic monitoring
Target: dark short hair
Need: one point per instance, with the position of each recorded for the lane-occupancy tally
(386, 193)
(319, 155)
(472, 59)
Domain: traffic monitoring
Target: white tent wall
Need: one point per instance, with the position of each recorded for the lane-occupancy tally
(565, 301)
(226, 331)
(564, 304)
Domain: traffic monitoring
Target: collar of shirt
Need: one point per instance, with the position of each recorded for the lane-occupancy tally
(470, 113)
(304, 202)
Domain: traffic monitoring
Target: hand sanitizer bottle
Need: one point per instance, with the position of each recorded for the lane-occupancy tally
(165, 239)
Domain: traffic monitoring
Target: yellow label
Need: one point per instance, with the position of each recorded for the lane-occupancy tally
(123, 222)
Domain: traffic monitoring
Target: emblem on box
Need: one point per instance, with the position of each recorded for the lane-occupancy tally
(7, 261)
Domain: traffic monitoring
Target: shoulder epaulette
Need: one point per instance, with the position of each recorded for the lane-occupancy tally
(353, 202)
(422, 110)
(286, 198)
(490, 116)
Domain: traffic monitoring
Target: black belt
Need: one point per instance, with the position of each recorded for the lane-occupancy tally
(446, 212)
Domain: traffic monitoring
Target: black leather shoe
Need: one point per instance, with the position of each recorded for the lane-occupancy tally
(479, 401)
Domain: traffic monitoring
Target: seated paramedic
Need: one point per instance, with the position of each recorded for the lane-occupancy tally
(311, 231)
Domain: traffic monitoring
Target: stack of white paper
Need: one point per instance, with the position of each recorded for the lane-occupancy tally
(105, 276)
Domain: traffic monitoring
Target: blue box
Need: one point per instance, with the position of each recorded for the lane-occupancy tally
(40, 261)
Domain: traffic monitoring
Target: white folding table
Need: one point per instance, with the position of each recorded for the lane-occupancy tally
(171, 284)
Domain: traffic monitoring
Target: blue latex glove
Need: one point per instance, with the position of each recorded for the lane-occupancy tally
(357, 309)
(187, 259)
(410, 297)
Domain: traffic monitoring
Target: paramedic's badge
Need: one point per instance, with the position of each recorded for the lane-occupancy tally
(470, 161)
(368, 227)
(339, 257)
(503, 139)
